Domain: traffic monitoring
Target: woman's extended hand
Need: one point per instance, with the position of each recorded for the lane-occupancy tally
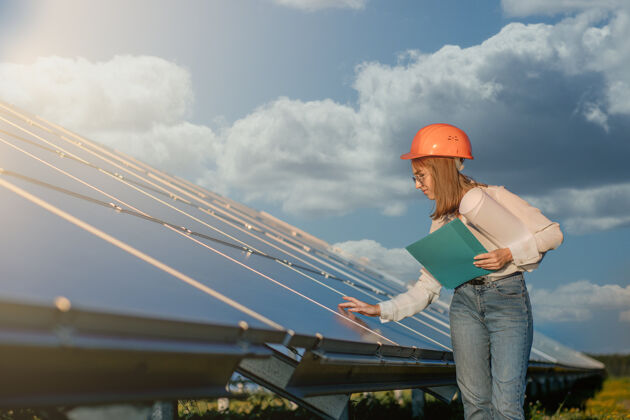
(494, 260)
(355, 305)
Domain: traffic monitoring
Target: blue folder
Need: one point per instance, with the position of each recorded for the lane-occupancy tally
(448, 254)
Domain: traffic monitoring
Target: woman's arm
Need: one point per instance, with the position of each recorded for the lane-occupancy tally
(416, 299)
(545, 234)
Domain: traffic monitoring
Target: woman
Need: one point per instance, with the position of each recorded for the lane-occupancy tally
(490, 316)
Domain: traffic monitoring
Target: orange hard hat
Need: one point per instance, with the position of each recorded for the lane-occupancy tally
(443, 140)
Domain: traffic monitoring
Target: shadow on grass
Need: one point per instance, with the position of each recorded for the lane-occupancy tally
(32, 414)
(575, 397)
(384, 405)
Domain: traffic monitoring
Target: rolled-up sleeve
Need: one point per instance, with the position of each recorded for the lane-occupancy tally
(417, 298)
(425, 291)
(545, 234)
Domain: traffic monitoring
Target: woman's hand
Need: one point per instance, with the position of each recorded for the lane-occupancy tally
(355, 305)
(494, 260)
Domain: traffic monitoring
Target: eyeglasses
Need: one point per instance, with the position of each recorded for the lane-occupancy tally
(419, 178)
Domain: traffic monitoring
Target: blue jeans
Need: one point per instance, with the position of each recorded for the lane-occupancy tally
(491, 332)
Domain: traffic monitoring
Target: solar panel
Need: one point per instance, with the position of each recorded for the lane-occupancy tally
(87, 189)
(106, 234)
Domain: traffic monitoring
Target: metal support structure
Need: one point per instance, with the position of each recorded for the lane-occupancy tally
(160, 410)
(275, 373)
(53, 358)
(322, 373)
(106, 412)
(533, 388)
(164, 410)
(446, 393)
(417, 403)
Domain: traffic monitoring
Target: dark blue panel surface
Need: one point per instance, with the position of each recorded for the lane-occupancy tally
(193, 262)
(44, 256)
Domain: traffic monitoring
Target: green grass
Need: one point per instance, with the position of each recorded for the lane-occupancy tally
(377, 405)
(611, 402)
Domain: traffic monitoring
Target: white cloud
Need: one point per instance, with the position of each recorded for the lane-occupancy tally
(578, 301)
(125, 93)
(136, 104)
(185, 149)
(624, 316)
(313, 5)
(314, 157)
(546, 7)
(588, 209)
(593, 113)
(396, 262)
(347, 155)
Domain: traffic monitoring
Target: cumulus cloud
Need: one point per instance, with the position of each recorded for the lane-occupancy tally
(578, 301)
(563, 77)
(314, 157)
(588, 209)
(565, 73)
(546, 107)
(593, 113)
(396, 262)
(545, 7)
(136, 104)
(125, 93)
(313, 5)
(185, 149)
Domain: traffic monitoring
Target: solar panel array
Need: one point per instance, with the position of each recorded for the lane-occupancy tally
(91, 230)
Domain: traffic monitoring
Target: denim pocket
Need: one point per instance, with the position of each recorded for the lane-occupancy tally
(513, 287)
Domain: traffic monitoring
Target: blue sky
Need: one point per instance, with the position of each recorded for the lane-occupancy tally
(302, 107)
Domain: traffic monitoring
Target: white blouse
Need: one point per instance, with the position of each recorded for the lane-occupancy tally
(545, 235)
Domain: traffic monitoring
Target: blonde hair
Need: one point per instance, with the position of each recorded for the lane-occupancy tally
(449, 185)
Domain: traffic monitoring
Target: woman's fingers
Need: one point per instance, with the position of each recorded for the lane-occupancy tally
(482, 260)
(493, 260)
(352, 305)
(485, 258)
(483, 263)
(354, 300)
(488, 264)
(355, 305)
